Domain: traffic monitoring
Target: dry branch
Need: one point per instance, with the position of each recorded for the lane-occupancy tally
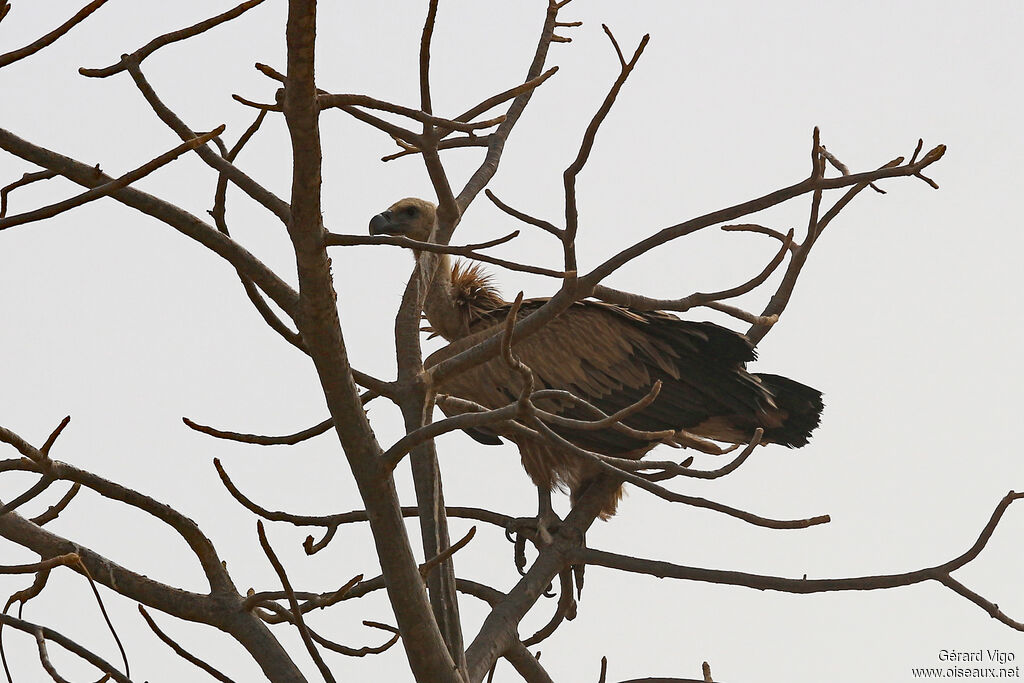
(940, 572)
(106, 189)
(168, 38)
(49, 38)
(180, 651)
(42, 632)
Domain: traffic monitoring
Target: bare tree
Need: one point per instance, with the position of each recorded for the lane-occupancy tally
(424, 596)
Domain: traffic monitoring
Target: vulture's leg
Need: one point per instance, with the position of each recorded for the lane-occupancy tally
(547, 520)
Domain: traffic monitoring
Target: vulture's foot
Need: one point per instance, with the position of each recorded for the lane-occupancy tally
(539, 530)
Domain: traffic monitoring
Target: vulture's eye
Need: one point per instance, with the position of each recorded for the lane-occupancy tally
(410, 211)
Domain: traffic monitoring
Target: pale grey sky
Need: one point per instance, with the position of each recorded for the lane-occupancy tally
(906, 316)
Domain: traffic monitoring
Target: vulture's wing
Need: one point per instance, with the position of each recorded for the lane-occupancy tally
(611, 356)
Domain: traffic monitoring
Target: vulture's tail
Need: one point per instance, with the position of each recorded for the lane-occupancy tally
(800, 406)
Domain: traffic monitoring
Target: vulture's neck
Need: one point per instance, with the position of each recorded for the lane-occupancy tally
(440, 303)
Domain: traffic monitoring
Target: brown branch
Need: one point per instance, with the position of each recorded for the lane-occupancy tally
(54, 511)
(42, 632)
(199, 544)
(54, 435)
(572, 290)
(496, 143)
(940, 573)
(587, 145)
(759, 229)
(427, 34)
(313, 600)
(180, 651)
(44, 659)
(282, 615)
(344, 101)
(845, 170)
(218, 213)
(396, 453)
(246, 184)
(293, 602)
(526, 218)
(469, 251)
(186, 223)
(333, 521)
(49, 38)
(106, 189)
(672, 496)
(287, 440)
(745, 316)
(168, 38)
(505, 96)
(433, 562)
(697, 299)
(449, 143)
(26, 179)
(66, 560)
(36, 489)
(103, 611)
(893, 169)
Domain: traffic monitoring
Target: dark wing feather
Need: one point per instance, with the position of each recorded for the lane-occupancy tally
(611, 356)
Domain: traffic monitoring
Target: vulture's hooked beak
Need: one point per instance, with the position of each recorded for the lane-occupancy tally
(384, 224)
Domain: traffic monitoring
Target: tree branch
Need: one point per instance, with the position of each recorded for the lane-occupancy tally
(168, 38)
(49, 38)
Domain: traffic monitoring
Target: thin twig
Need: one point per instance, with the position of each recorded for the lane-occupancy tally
(526, 218)
(113, 186)
(294, 604)
(65, 642)
(54, 511)
(287, 440)
(168, 38)
(180, 651)
(26, 179)
(427, 566)
(335, 239)
(49, 38)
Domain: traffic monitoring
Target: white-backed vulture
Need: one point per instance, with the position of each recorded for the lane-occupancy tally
(610, 356)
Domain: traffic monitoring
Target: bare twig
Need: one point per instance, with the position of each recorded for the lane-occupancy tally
(287, 440)
(448, 143)
(49, 38)
(54, 511)
(433, 562)
(335, 239)
(25, 179)
(672, 496)
(36, 489)
(644, 303)
(168, 38)
(110, 187)
(180, 651)
(526, 218)
(66, 560)
(71, 646)
(103, 610)
(587, 145)
(294, 604)
(940, 573)
(218, 213)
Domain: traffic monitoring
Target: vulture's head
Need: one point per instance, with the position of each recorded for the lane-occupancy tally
(409, 217)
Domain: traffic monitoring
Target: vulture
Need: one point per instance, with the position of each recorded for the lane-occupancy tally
(610, 356)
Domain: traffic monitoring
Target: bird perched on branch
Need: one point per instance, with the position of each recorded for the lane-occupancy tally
(613, 357)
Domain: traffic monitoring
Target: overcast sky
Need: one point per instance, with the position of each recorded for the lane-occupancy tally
(906, 317)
